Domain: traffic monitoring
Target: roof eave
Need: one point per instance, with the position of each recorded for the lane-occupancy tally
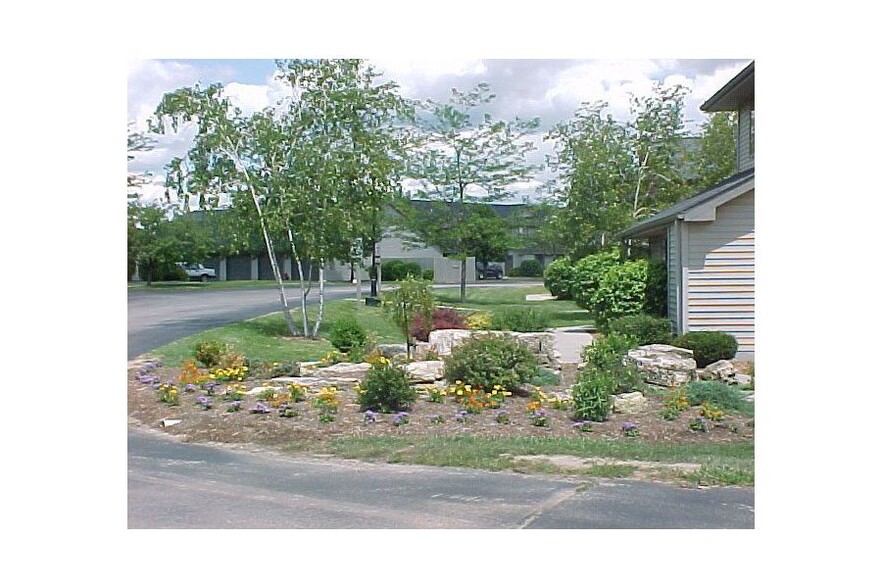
(733, 94)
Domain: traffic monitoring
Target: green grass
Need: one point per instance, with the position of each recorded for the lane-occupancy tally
(560, 313)
(722, 463)
(266, 338)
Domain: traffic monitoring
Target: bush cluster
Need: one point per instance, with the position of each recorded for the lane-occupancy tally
(489, 361)
(587, 274)
(559, 278)
(429, 275)
(347, 333)
(209, 352)
(386, 388)
(644, 329)
(605, 375)
(621, 292)
(397, 269)
(718, 394)
(442, 318)
(522, 320)
(708, 346)
(530, 268)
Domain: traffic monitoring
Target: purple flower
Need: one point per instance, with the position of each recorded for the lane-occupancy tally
(260, 408)
(190, 388)
(629, 426)
(370, 417)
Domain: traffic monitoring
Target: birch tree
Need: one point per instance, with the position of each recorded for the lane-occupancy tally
(226, 159)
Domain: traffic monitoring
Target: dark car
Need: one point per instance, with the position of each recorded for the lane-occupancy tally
(488, 271)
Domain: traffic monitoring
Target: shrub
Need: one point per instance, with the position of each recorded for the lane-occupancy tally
(514, 272)
(392, 270)
(386, 388)
(644, 329)
(587, 274)
(656, 299)
(411, 269)
(717, 394)
(442, 318)
(592, 396)
(479, 321)
(489, 361)
(559, 278)
(209, 352)
(522, 320)
(708, 346)
(530, 268)
(605, 359)
(621, 292)
(429, 275)
(347, 333)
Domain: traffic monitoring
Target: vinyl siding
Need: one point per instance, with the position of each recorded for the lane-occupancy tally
(673, 277)
(721, 273)
(743, 155)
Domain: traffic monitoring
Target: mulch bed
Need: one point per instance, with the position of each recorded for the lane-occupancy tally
(242, 427)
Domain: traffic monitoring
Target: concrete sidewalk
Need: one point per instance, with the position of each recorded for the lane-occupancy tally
(569, 342)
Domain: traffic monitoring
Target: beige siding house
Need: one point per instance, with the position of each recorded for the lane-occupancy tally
(707, 241)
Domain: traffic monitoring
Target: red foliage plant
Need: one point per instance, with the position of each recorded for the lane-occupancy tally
(442, 318)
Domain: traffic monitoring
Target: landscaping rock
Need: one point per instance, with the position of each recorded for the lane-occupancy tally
(344, 371)
(541, 344)
(260, 389)
(443, 341)
(425, 372)
(742, 380)
(421, 351)
(719, 370)
(392, 350)
(663, 365)
(308, 368)
(630, 403)
(312, 383)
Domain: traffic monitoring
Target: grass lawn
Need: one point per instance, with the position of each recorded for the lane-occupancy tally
(266, 338)
(561, 313)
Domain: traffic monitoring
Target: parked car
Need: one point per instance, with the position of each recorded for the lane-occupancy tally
(488, 271)
(197, 271)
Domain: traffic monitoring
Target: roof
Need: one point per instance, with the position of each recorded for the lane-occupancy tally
(726, 190)
(737, 91)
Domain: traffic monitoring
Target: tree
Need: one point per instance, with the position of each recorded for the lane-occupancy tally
(137, 142)
(714, 160)
(487, 236)
(227, 158)
(410, 299)
(460, 162)
(306, 172)
(614, 172)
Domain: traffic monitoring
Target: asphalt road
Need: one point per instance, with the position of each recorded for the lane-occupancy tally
(157, 317)
(178, 485)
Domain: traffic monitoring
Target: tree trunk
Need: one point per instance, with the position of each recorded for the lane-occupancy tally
(462, 280)
(304, 292)
(321, 308)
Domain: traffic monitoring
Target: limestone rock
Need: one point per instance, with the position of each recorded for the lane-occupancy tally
(663, 365)
(443, 341)
(261, 389)
(344, 371)
(425, 371)
(742, 380)
(630, 403)
(719, 370)
(392, 350)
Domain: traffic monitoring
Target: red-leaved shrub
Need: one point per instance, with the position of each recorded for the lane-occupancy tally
(442, 318)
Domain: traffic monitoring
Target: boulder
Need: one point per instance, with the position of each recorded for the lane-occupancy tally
(392, 350)
(343, 371)
(630, 403)
(425, 371)
(663, 365)
(261, 389)
(541, 344)
(308, 368)
(742, 380)
(443, 341)
(719, 370)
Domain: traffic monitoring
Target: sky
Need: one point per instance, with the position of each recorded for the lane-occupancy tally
(549, 89)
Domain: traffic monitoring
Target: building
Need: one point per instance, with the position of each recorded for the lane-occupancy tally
(707, 241)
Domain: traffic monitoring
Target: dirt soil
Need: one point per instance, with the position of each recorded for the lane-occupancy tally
(271, 430)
